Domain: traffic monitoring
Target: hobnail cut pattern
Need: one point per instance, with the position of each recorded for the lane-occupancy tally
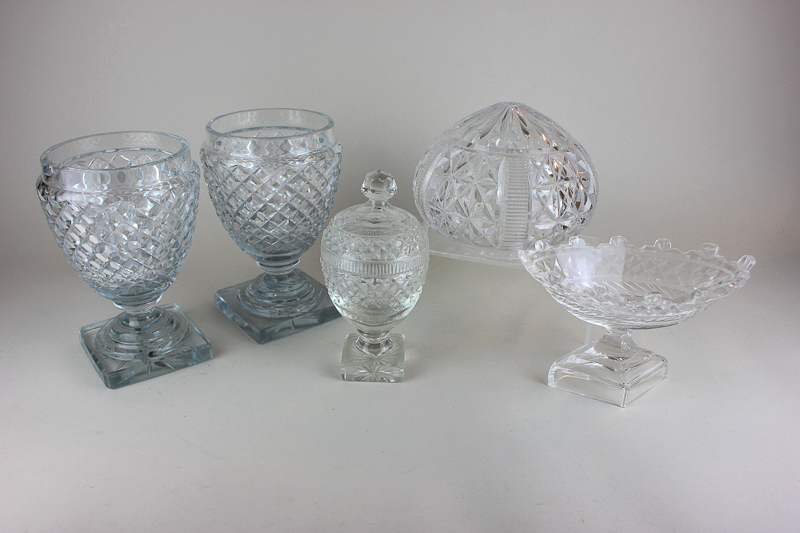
(502, 178)
(122, 207)
(272, 175)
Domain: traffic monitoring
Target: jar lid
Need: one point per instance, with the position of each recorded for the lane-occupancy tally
(375, 238)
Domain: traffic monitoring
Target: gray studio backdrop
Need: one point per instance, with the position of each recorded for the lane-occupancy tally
(689, 110)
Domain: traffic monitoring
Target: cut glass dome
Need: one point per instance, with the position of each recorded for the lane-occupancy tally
(501, 179)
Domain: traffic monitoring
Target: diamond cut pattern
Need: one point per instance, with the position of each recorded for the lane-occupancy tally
(374, 262)
(374, 301)
(273, 206)
(125, 241)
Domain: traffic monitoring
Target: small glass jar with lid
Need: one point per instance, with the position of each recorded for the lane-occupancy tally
(374, 259)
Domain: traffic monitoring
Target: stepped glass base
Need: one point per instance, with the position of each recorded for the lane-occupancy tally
(385, 365)
(263, 329)
(144, 358)
(613, 369)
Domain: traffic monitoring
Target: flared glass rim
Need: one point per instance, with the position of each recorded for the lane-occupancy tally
(217, 133)
(182, 151)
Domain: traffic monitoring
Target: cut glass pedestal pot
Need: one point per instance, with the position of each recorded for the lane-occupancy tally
(272, 175)
(122, 207)
(501, 179)
(374, 259)
(621, 288)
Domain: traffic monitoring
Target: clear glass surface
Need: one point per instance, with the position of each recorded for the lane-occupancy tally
(622, 287)
(502, 178)
(382, 361)
(122, 207)
(374, 259)
(272, 175)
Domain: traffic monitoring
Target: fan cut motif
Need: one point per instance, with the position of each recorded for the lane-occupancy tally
(503, 178)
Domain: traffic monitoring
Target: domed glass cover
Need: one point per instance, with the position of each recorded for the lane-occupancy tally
(503, 178)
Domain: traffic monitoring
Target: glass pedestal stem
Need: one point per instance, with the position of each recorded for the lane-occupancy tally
(280, 292)
(138, 317)
(613, 369)
(374, 343)
(141, 331)
(618, 345)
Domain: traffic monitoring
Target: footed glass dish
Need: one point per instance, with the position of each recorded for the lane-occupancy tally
(501, 179)
(272, 175)
(122, 207)
(621, 287)
(374, 259)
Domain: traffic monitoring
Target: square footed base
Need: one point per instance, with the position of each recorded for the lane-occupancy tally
(603, 378)
(264, 329)
(386, 367)
(116, 374)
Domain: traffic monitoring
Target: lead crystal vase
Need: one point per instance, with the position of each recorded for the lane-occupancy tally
(272, 175)
(122, 207)
(621, 287)
(501, 179)
(374, 259)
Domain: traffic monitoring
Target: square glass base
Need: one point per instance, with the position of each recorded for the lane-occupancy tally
(264, 329)
(115, 373)
(595, 375)
(386, 367)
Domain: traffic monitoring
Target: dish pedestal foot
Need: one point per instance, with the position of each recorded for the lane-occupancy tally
(612, 369)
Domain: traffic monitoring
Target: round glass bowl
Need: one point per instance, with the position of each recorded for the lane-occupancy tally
(272, 175)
